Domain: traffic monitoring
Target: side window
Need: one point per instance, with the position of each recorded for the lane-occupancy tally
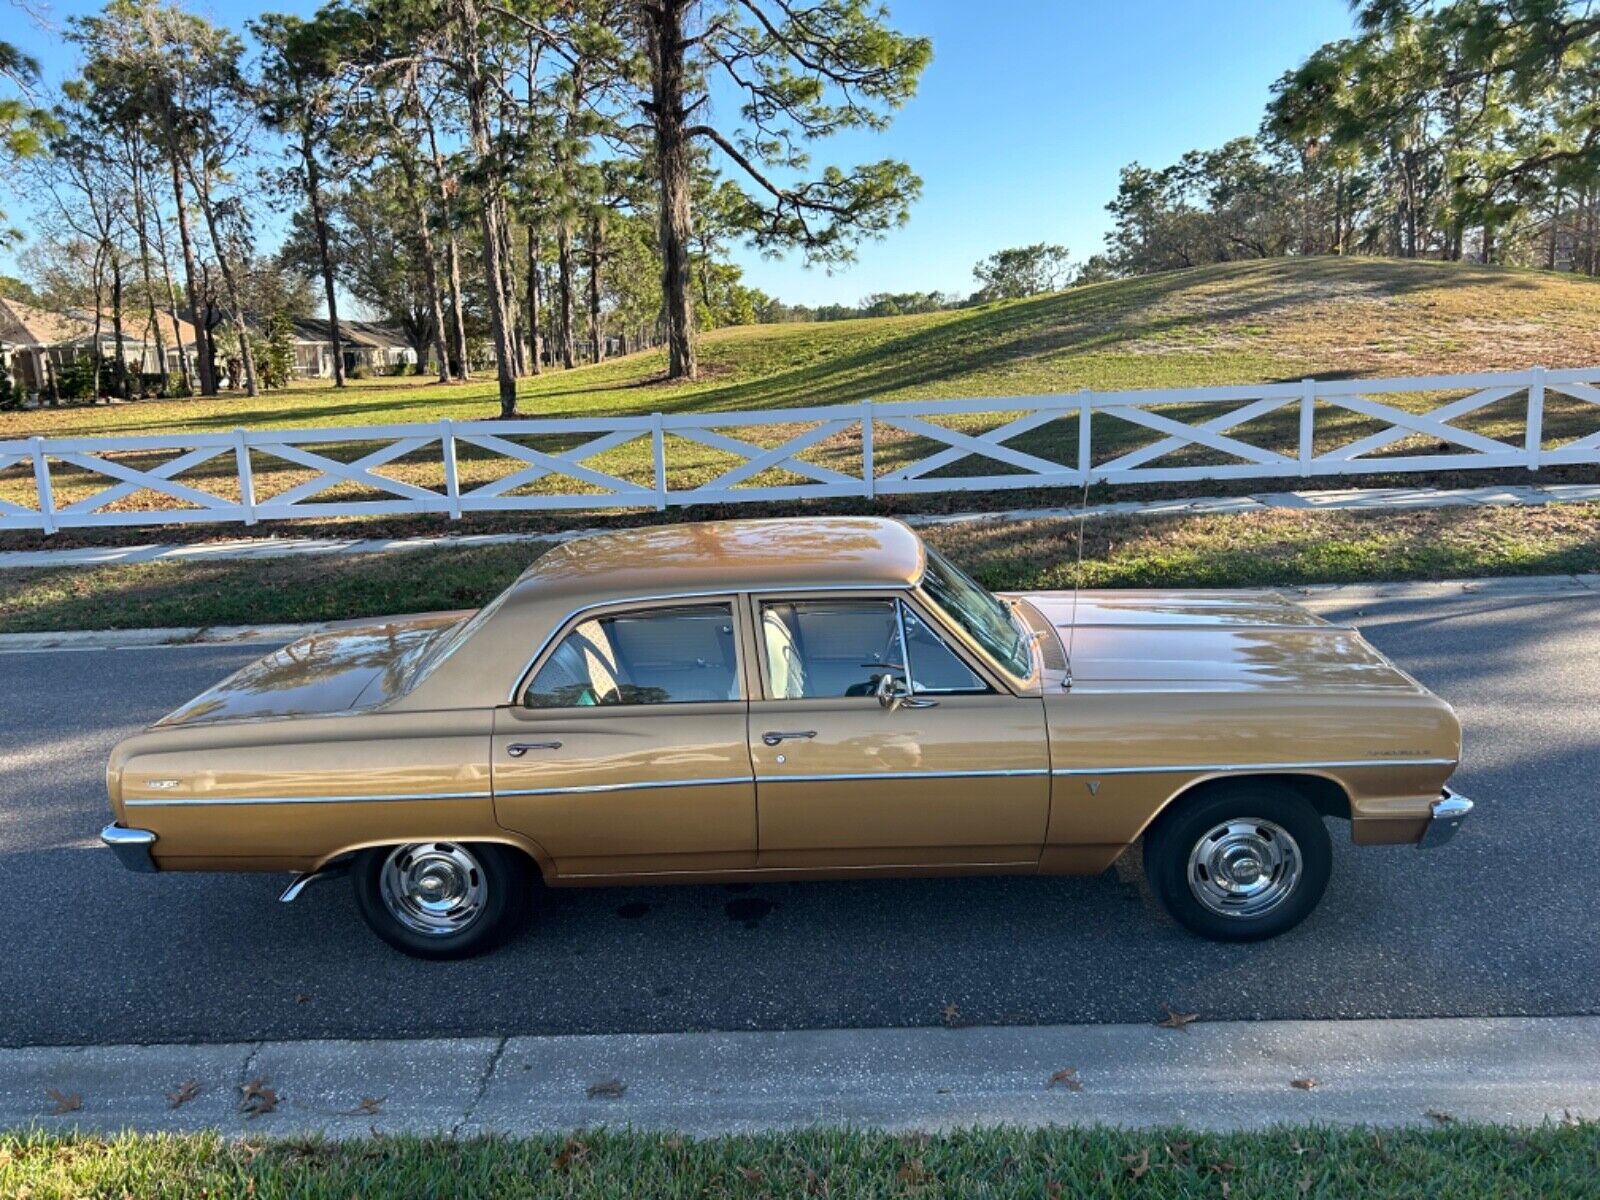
(823, 648)
(652, 656)
(826, 648)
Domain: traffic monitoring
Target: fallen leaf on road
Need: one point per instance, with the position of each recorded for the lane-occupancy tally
(1175, 1019)
(187, 1091)
(612, 1089)
(368, 1107)
(1068, 1077)
(1443, 1118)
(64, 1103)
(1305, 1085)
(951, 1013)
(256, 1098)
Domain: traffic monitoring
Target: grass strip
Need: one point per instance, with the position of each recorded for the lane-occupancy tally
(1461, 1161)
(1273, 548)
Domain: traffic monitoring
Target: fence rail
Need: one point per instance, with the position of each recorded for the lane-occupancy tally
(1318, 428)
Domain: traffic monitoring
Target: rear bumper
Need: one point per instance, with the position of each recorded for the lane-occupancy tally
(1448, 813)
(131, 846)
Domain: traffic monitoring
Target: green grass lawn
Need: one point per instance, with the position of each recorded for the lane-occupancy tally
(1230, 324)
(1455, 1162)
(1264, 549)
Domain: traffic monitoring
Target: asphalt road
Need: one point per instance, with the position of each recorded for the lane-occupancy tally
(1501, 922)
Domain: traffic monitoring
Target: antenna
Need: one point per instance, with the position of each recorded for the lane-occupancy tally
(1077, 581)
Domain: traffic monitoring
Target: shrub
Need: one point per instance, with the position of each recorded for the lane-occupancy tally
(359, 371)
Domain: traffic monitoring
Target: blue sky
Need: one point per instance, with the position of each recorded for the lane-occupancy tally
(1021, 123)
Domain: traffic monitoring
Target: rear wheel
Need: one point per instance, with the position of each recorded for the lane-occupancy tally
(1240, 862)
(443, 899)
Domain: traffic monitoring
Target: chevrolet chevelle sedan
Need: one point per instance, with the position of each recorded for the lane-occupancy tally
(796, 699)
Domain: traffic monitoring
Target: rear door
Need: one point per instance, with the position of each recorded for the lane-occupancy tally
(626, 752)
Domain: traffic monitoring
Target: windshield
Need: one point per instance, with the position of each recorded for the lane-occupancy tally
(985, 619)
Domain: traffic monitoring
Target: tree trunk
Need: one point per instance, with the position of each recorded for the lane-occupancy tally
(172, 302)
(565, 285)
(509, 282)
(144, 266)
(535, 337)
(666, 43)
(202, 188)
(116, 328)
(208, 363)
(319, 223)
(596, 256)
(483, 151)
(452, 259)
(99, 319)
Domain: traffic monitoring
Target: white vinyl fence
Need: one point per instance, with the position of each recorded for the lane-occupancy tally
(1314, 434)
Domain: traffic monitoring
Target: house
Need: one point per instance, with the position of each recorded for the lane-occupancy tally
(376, 348)
(35, 342)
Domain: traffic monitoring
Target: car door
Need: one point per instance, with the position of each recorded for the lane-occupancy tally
(626, 752)
(956, 772)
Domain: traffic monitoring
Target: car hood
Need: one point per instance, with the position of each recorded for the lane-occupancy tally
(1205, 641)
(328, 672)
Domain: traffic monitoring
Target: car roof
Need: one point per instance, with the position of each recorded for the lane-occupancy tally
(714, 556)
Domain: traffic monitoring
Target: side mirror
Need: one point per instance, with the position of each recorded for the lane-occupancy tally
(890, 693)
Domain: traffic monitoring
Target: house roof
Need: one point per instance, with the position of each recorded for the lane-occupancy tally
(356, 333)
(25, 325)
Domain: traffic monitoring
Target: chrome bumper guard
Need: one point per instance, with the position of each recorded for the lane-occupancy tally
(1449, 811)
(131, 846)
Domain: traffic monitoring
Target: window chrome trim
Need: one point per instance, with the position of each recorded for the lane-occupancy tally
(189, 801)
(734, 598)
(1277, 766)
(587, 788)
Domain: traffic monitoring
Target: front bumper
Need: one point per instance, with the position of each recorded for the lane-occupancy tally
(131, 846)
(1447, 814)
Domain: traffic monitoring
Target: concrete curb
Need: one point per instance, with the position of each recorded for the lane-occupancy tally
(1323, 500)
(1321, 595)
(1222, 1076)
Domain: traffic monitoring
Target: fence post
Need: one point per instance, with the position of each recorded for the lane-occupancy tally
(658, 447)
(41, 480)
(247, 479)
(452, 485)
(1535, 433)
(1308, 412)
(1085, 420)
(869, 470)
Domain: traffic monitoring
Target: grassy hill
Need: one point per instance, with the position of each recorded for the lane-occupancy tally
(1233, 323)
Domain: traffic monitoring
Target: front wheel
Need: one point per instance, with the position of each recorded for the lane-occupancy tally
(442, 899)
(1240, 863)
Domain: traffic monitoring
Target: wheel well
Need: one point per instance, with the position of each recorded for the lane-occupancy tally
(1325, 795)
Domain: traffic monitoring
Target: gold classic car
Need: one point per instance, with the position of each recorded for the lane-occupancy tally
(793, 699)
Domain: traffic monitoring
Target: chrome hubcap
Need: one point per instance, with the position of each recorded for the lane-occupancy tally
(434, 888)
(1244, 867)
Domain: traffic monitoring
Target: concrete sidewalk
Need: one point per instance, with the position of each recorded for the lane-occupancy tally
(1326, 499)
(1222, 1076)
(1344, 597)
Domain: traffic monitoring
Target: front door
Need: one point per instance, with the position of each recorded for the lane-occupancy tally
(626, 753)
(956, 772)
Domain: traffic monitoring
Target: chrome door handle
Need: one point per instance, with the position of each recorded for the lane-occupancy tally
(918, 702)
(773, 736)
(518, 749)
